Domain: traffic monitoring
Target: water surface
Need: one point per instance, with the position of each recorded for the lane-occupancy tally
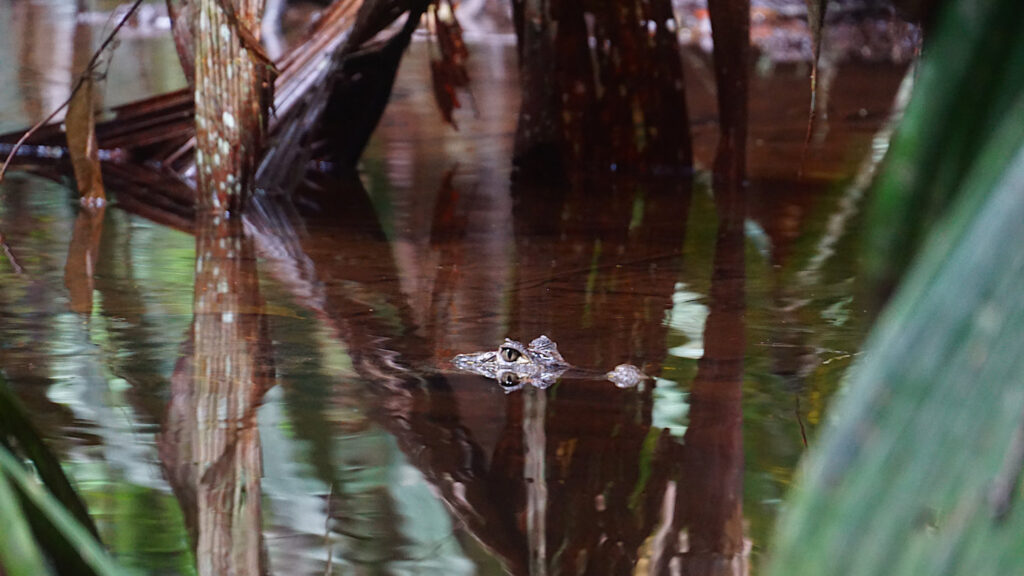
(285, 403)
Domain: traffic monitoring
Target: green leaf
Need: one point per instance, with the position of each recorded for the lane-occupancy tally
(17, 430)
(971, 73)
(919, 472)
(38, 501)
(19, 555)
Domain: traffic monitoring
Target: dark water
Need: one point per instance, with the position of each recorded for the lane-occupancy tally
(286, 404)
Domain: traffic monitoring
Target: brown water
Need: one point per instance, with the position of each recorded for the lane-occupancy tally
(302, 413)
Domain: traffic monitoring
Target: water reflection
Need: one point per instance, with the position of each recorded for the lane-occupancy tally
(369, 453)
(546, 485)
(706, 533)
(42, 42)
(343, 272)
(210, 442)
(83, 251)
(597, 266)
(329, 403)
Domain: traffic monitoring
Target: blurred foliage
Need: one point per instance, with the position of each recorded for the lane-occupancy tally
(18, 551)
(143, 527)
(17, 430)
(967, 87)
(42, 515)
(918, 472)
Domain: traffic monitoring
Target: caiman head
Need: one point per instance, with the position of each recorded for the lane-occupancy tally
(514, 365)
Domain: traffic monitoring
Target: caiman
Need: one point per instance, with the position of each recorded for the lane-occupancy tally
(514, 365)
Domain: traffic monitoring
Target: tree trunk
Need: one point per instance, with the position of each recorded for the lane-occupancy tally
(538, 143)
(603, 88)
(233, 83)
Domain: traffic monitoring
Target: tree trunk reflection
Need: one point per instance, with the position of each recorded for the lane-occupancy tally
(210, 445)
(706, 536)
(710, 490)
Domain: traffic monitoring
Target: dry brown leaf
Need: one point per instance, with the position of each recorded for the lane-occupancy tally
(448, 66)
(80, 126)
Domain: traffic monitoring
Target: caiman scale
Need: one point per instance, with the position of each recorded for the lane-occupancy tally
(514, 365)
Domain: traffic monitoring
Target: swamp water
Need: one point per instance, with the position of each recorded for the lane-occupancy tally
(355, 447)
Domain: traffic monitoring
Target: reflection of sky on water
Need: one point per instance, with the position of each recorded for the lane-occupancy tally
(97, 401)
(670, 407)
(686, 320)
(687, 316)
(368, 462)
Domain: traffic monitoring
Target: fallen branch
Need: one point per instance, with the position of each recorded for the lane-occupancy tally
(78, 85)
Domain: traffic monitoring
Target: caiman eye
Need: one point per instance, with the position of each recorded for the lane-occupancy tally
(509, 379)
(510, 354)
